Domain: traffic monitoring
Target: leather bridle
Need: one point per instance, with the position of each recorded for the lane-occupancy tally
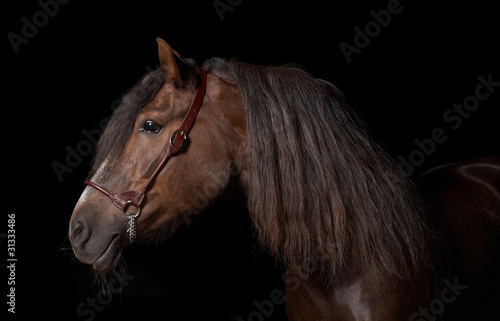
(178, 141)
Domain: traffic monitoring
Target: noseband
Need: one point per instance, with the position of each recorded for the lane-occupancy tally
(177, 143)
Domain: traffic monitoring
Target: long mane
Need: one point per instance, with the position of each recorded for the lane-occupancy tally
(320, 189)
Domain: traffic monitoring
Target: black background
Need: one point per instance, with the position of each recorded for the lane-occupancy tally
(69, 75)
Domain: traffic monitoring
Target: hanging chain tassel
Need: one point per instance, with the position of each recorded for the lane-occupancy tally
(131, 231)
(132, 228)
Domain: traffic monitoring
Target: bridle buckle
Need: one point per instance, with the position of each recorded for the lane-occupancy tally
(174, 137)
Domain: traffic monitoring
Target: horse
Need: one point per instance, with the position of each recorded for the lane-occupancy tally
(360, 240)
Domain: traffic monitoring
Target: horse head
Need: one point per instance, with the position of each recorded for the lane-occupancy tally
(132, 150)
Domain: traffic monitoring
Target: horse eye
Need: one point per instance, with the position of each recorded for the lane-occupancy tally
(151, 127)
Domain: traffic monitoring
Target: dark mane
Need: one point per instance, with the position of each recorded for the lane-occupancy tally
(320, 188)
(119, 127)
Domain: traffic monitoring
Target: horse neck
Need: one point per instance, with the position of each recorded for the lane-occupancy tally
(226, 98)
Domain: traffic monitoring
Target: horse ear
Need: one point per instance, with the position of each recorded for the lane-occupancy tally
(167, 61)
(178, 55)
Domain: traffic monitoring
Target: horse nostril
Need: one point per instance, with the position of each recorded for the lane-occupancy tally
(77, 229)
(80, 233)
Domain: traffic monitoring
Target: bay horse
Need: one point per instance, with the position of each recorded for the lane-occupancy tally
(360, 240)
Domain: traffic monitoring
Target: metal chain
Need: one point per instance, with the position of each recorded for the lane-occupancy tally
(131, 231)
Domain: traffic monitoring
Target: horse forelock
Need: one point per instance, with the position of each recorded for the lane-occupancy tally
(321, 191)
(119, 127)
